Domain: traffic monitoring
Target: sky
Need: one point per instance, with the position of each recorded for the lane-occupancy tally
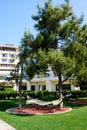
(15, 17)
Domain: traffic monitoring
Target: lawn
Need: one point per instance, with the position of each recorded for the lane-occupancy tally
(73, 120)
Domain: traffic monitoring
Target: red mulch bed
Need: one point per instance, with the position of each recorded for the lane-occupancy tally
(31, 110)
(84, 102)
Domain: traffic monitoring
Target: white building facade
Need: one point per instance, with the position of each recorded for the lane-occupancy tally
(49, 81)
(7, 60)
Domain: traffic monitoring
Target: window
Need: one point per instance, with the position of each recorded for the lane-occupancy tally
(4, 55)
(3, 65)
(11, 55)
(33, 88)
(11, 66)
(46, 75)
(12, 50)
(57, 87)
(4, 77)
(4, 60)
(48, 70)
(11, 61)
(43, 87)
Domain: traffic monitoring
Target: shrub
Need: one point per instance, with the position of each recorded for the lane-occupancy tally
(3, 94)
(2, 87)
(79, 93)
(45, 93)
(39, 93)
(31, 93)
(8, 89)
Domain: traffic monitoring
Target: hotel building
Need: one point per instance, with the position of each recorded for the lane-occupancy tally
(7, 60)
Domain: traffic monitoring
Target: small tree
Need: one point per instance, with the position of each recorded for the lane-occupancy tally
(16, 75)
(61, 65)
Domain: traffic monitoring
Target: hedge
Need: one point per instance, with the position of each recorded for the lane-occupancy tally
(38, 94)
(8, 95)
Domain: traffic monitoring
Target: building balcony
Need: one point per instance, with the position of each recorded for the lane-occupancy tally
(6, 68)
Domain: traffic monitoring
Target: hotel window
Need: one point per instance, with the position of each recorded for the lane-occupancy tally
(57, 87)
(3, 65)
(11, 66)
(46, 75)
(4, 60)
(12, 50)
(11, 61)
(11, 55)
(32, 87)
(3, 76)
(4, 55)
(43, 87)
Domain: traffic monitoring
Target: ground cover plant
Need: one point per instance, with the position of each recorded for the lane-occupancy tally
(73, 120)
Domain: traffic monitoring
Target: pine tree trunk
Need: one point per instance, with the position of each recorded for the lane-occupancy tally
(60, 88)
(20, 96)
(20, 85)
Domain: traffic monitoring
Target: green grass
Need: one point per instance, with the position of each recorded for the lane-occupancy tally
(73, 120)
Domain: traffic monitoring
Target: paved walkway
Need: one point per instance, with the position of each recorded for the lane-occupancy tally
(5, 126)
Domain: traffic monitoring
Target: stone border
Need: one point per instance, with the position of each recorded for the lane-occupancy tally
(22, 113)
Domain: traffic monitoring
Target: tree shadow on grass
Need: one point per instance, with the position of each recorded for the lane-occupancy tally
(73, 105)
(6, 104)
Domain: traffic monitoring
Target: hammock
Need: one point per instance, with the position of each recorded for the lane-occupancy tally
(46, 103)
(43, 103)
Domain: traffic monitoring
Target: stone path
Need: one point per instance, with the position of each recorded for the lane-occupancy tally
(5, 126)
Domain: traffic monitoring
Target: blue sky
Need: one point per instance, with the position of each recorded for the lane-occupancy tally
(15, 17)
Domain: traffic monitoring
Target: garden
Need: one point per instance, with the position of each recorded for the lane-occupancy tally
(60, 43)
(73, 120)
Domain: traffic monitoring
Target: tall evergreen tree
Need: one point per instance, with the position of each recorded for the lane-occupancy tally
(53, 24)
(61, 37)
(59, 29)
